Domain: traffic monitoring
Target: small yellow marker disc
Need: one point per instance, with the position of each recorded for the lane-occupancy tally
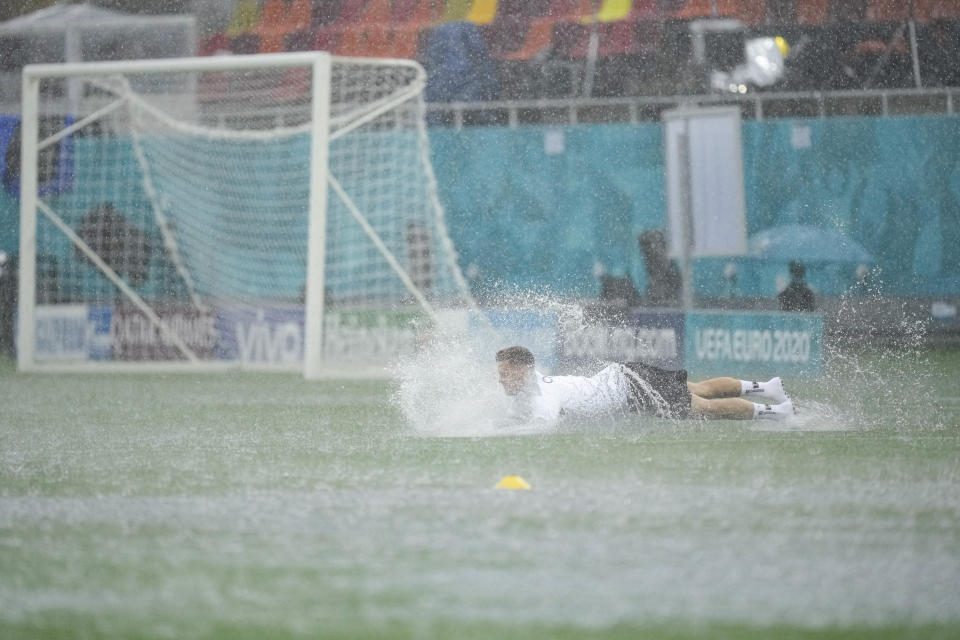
(512, 482)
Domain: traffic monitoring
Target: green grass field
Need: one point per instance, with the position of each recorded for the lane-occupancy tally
(255, 506)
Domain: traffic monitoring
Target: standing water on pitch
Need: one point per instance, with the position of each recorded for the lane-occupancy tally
(449, 387)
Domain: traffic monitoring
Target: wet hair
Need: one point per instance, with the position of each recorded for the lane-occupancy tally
(516, 355)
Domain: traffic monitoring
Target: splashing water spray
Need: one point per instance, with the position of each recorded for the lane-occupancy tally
(877, 374)
(449, 386)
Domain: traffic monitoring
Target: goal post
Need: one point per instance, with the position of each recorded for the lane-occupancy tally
(271, 211)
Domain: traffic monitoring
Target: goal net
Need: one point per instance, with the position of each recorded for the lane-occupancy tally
(261, 211)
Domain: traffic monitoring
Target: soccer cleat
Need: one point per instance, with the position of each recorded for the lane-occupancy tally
(773, 390)
(778, 411)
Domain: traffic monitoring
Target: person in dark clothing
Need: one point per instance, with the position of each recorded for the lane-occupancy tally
(8, 303)
(798, 296)
(618, 290)
(938, 50)
(664, 284)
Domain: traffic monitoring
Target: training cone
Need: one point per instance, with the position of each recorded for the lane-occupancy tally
(512, 482)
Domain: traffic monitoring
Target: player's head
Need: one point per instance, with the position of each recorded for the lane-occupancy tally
(514, 365)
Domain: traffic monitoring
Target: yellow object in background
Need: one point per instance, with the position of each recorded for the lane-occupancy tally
(782, 45)
(482, 11)
(614, 10)
(245, 17)
(610, 11)
(512, 482)
(456, 10)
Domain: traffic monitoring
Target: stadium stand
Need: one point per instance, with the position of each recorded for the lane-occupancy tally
(272, 25)
(540, 47)
(367, 35)
(325, 13)
(456, 10)
(299, 16)
(693, 9)
(409, 19)
(812, 12)
(482, 11)
(245, 18)
(887, 11)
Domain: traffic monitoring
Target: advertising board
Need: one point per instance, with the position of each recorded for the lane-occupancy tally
(71, 332)
(655, 338)
(136, 337)
(754, 344)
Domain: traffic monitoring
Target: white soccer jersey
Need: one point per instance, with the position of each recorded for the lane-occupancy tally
(546, 398)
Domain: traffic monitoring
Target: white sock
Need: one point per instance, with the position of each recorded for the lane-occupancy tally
(773, 411)
(772, 389)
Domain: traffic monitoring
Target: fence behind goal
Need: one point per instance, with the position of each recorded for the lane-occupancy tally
(262, 211)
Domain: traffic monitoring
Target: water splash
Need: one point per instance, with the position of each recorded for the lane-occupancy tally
(449, 387)
(813, 415)
(877, 372)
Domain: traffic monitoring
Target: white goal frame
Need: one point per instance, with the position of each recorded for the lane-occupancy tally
(320, 64)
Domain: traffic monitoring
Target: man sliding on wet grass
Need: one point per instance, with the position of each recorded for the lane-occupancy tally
(635, 387)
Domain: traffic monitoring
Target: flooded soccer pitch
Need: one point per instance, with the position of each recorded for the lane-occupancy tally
(261, 505)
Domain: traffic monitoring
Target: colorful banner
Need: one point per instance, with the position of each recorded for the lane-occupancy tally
(136, 337)
(370, 337)
(745, 345)
(275, 336)
(260, 335)
(654, 338)
(54, 163)
(71, 332)
(752, 345)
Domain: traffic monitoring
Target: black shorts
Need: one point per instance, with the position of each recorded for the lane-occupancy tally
(671, 386)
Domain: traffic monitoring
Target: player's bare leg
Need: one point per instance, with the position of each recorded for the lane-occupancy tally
(729, 408)
(725, 387)
(715, 388)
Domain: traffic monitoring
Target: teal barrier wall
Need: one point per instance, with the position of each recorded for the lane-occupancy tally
(893, 184)
(540, 206)
(523, 215)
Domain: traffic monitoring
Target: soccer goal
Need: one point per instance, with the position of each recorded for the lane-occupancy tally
(275, 211)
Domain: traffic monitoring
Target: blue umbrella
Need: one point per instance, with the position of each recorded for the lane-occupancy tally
(807, 244)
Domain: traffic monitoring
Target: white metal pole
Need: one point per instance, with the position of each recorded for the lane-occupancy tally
(914, 54)
(591, 61)
(317, 234)
(686, 198)
(29, 132)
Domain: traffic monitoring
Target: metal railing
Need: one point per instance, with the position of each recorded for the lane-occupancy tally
(756, 106)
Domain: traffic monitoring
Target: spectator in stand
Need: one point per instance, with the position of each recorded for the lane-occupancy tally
(664, 284)
(938, 51)
(798, 296)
